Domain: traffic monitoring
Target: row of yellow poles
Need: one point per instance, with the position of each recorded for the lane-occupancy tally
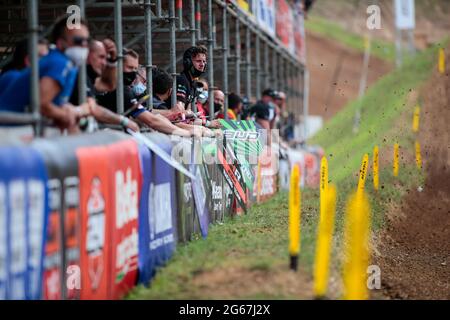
(357, 219)
(357, 224)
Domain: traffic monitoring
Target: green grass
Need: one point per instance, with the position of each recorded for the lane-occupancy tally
(258, 240)
(381, 49)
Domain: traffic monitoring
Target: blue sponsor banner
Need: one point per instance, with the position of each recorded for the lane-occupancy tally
(157, 217)
(3, 232)
(23, 179)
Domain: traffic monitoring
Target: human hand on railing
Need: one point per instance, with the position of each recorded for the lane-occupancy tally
(133, 125)
(111, 49)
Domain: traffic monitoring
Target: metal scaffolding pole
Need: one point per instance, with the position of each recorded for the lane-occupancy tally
(158, 8)
(118, 38)
(192, 33)
(33, 30)
(248, 73)
(192, 18)
(173, 57)
(148, 51)
(82, 89)
(198, 20)
(211, 60)
(274, 69)
(225, 58)
(258, 66)
(180, 14)
(238, 57)
(266, 65)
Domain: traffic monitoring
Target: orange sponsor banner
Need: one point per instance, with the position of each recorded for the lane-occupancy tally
(125, 184)
(96, 212)
(269, 174)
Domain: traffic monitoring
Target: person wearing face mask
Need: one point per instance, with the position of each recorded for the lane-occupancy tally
(139, 86)
(57, 74)
(130, 68)
(194, 64)
(100, 69)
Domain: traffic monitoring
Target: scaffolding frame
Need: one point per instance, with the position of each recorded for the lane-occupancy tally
(238, 49)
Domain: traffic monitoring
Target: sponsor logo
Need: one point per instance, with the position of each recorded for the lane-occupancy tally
(95, 237)
(241, 135)
(126, 198)
(126, 255)
(160, 209)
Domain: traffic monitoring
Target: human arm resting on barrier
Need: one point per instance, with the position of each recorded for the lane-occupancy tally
(104, 115)
(65, 117)
(197, 131)
(160, 123)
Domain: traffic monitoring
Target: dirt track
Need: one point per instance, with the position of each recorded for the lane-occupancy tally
(415, 246)
(327, 95)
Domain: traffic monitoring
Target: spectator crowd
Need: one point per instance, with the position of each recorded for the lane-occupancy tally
(67, 50)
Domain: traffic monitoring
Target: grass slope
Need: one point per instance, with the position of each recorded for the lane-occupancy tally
(380, 49)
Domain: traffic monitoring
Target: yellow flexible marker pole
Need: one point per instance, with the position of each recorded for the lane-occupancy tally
(363, 173)
(323, 245)
(441, 63)
(418, 156)
(416, 119)
(294, 217)
(376, 177)
(357, 231)
(395, 166)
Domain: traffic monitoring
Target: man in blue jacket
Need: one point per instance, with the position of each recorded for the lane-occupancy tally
(57, 74)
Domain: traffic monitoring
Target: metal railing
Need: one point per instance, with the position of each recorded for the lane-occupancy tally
(237, 47)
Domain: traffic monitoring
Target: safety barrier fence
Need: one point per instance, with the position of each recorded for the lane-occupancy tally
(91, 216)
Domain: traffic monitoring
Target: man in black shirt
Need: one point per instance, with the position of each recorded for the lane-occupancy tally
(194, 63)
(100, 69)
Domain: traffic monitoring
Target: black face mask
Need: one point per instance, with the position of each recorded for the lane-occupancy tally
(217, 106)
(196, 73)
(91, 72)
(129, 77)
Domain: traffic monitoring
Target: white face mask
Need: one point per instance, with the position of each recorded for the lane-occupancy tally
(203, 97)
(78, 55)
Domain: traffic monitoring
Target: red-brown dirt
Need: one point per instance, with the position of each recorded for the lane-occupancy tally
(325, 59)
(414, 249)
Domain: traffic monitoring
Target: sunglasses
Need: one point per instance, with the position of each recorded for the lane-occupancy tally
(80, 41)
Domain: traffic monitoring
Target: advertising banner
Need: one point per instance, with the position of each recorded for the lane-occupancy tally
(62, 279)
(269, 174)
(125, 184)
(201, 190)
(157, 231)
(299, 35)
(185, 197)
(244, 5)
(297, 157)
(23, 221)
(215, 194)
(265, 15)
(405, 14)
(285, 25)
(96, 207)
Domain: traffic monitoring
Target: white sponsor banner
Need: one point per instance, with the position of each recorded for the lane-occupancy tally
(264, 11)
(405, 14)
